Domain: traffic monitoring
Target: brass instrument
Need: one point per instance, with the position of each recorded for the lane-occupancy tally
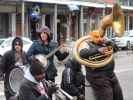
(60, 93)
(116, 20)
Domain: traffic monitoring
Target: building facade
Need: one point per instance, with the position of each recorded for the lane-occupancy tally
(69, 18)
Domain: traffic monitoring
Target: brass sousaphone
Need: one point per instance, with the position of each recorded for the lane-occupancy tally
(116, 20)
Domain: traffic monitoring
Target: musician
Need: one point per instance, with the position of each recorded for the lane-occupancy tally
(15, 57)
(103, 80)
(33, 87)
(73, 80)
(44, 45)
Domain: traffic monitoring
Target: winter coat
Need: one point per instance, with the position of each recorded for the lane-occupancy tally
(31, 89)
(92, 50)
(72, 78)
(8, 63)
(28, 91)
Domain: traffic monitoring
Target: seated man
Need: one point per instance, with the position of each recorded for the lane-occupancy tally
(33, 87)
(73, 79)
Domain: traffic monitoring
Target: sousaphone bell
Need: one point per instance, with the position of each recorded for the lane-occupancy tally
(116, 20)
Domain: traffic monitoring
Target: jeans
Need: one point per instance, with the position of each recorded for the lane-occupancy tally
(106, 87)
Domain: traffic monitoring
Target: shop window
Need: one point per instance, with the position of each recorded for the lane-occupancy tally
(4, 25)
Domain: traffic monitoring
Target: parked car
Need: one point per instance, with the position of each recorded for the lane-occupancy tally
(126, 41)
(1, 40)
(5, 44)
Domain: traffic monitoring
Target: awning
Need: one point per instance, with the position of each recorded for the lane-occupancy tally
(80, 3)
(69, 2)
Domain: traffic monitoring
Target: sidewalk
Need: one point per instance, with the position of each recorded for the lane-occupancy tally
(1, 88)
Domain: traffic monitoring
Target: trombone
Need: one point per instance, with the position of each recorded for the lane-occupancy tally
(59, 90)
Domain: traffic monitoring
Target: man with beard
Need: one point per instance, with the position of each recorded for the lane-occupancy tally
(103, 79)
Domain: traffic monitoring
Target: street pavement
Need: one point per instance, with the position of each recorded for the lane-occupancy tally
(123, 69)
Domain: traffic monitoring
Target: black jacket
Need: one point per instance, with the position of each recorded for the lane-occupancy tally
(91, 50)
(28, 91)
(72, 78)
(8, 63)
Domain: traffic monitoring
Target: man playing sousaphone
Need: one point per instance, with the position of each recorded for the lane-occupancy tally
(103, 80)
(100, 74)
